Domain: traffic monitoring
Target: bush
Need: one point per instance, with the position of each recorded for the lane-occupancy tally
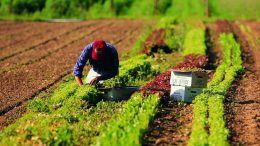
(57, 8)
(27, 6)
(121, 6)
(5, 6)
(163, 5)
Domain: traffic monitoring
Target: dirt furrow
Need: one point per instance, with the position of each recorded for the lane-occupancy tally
(18, 36)
(32, 43)
(172, 125)
(45, 50)
(243, 102)
(22, 84)
(6, 32)
(121, 43)
(5, 27)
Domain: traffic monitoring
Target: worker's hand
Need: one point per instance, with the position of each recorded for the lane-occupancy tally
(95, 81)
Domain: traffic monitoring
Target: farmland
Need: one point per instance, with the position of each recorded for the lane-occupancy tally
(44, 50)
(41, 103)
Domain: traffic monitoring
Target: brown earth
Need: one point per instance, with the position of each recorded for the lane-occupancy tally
(41, 62)
(7, 26)
(243, 102)
(172, 125)
(18, 36)
(30, 43)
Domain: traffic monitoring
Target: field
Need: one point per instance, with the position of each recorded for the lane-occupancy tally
(41, 104)
(49, 54)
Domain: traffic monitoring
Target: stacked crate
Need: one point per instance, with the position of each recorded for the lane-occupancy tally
(185, 85)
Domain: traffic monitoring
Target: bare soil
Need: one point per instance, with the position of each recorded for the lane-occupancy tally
(41, 62)
(13, 36)
(27, 43)
(172, 125)
(243, 102)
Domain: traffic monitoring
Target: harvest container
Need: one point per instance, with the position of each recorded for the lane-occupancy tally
(182, 93)
(194, 79)
(119, 93)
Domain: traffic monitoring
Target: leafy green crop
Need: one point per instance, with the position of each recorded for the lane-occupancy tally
(213, 96)
(199, 135)
(218, 131)
(127, 128)
(131, 71)
(194, 42)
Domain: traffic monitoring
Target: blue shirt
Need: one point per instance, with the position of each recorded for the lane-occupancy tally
(108, 67)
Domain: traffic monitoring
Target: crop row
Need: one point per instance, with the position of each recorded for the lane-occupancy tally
(210, 102)
(71, 115)
(127, 128)
(132, 71)
(194, 42)
(192, 61)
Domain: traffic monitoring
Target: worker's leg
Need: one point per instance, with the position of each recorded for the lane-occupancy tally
(91, 75)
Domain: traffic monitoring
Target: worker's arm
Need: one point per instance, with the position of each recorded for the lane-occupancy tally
(78, 68)
(78, 80)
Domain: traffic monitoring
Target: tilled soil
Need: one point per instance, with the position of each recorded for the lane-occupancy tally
(14, 36)
(44, 36)
(243, 102)
(52, 56)
(9, 27)
(172, 125)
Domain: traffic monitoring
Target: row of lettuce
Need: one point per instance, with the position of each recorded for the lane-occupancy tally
(209, 107)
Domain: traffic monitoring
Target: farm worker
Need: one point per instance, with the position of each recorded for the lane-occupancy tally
(102, 57)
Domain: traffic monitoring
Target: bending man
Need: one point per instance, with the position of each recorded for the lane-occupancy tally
(102, 57)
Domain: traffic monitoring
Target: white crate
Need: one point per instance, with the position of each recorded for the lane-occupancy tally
(196, 79)
(182, 93)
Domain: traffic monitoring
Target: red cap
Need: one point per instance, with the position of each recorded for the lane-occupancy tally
(99, 49)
